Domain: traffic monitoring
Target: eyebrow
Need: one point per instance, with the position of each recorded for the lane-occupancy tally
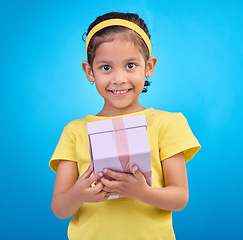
(132, 60)
(126, 60)
(103, 62)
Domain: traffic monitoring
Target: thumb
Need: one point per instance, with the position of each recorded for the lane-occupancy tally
(137, 174)
(88, 172)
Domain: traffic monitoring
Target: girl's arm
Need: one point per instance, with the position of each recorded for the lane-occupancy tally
(70, 192)
(173, 197)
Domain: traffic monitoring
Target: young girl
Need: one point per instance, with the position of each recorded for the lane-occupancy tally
(118, 49)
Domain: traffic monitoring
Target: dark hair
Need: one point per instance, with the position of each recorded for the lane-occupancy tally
(107, 33)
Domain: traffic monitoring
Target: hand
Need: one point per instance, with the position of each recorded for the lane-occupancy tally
(125, 184)
(82, 191)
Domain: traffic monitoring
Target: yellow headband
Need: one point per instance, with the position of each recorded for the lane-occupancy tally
(119, 22)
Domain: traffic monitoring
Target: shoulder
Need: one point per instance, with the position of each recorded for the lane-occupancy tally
(76, 125)
(166, 114)
(164, 118)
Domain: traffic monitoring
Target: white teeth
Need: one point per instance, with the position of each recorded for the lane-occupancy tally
(119, 92)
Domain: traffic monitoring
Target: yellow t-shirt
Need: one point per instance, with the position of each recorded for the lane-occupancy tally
(126, 218)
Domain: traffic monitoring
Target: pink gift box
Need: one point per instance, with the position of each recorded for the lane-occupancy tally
(119, 144)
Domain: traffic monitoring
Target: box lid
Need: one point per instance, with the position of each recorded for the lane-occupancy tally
(107, 125)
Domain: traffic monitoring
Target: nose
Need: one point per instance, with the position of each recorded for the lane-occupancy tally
(119, 77)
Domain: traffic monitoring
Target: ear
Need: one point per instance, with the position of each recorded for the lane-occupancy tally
(88, 71)
(151, 62)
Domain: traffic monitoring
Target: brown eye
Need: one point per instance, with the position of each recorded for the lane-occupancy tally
(106, 67)
(130, 66)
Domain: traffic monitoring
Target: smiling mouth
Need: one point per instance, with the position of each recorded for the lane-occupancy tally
(120, 91)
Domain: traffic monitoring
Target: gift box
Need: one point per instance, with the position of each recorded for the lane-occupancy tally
(119, 144)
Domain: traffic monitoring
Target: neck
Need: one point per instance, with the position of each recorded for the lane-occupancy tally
(119, 111)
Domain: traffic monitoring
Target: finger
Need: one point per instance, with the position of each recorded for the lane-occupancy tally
(137, 174)
(114, 175)
(93, 178)
(98, 188)
(101, 197)
(108, 190)
(112, 194)
(88, 172)
(102, 194)
(109, 183)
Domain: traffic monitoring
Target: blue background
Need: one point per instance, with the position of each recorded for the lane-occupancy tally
(199, 73)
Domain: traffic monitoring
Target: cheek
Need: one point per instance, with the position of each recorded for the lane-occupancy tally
(141, 81)
(100, 86)
(139, 85)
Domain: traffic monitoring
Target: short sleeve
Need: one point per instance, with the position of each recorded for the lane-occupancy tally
(66, 148)
(177, 137)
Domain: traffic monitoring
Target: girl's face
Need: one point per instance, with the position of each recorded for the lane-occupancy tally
(119, 71)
